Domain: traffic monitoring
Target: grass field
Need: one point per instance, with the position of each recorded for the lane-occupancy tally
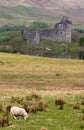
(21, 75)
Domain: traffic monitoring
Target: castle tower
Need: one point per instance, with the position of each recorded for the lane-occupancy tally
(63, 30)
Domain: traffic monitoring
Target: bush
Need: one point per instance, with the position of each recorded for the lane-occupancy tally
(82, 117)
(32, 108)
(82, 102)
(76, 107)
(83, 110)
(4, 121)
(35, 96)
(60, 102)
(16, 99)
(1, 108)
(8, 108)
(82, 126)
(43, 128)
(41, 105)
(32, 96)
(29, 107)
(81, 41)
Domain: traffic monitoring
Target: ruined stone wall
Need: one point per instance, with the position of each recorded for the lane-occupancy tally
(61, 32)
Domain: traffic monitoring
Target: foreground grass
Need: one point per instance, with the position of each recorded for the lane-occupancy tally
(53, 118)
(21, 74)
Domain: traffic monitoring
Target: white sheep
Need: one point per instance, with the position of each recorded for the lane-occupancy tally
(17, 111)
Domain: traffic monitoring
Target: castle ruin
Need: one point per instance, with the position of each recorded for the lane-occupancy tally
(61, 32)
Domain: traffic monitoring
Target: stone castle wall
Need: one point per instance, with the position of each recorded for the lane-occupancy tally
(61, 32)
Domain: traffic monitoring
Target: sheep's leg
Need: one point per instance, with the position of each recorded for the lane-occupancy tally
(14, 116)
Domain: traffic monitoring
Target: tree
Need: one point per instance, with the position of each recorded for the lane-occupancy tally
(81, 41)
(81, 52)
(4, 39)
(75, 36)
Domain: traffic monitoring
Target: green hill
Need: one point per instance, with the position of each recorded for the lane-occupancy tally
(23, 15)
(26, 11)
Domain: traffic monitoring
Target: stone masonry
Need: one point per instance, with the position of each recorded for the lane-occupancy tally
(61, 32)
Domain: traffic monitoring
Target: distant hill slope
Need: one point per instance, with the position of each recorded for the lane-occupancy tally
(26, 11)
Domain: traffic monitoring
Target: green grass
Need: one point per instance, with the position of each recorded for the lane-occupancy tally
(21, 75)
(53, 72)
(53, 119)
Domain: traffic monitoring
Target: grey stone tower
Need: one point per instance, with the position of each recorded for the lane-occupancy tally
(63, 30)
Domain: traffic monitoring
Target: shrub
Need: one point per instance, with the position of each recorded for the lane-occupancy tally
(43, 128)
(16, 99)
(81, 41)
(82, 126)
(82, 117)
(4, 121)
(82, 102)
(35, 96)
(13, 99)
(19, 100)
(61, 107)
(1, 108)
(28, 98)
(77, 107)
(25, 105)
(83, 110)
(31, 99)
(8, 108)
(41, 105)
(32, 108)
(59, 101)
(29, 107)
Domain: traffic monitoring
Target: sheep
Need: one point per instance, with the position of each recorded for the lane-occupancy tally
(17, 111)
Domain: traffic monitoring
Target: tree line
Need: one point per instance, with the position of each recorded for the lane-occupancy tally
(79, 30)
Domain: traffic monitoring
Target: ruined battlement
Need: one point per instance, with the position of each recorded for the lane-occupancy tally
(61, 32)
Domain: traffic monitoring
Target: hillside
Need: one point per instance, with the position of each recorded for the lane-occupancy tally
(51, 11)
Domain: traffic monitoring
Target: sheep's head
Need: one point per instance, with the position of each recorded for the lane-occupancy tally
(25, 116)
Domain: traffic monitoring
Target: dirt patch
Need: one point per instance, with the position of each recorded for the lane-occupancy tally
(21, 83)
(38, 86)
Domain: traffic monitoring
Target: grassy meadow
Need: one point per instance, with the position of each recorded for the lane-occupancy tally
(23, 75)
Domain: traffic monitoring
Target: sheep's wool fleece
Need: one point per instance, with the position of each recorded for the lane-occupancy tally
(18, 111)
